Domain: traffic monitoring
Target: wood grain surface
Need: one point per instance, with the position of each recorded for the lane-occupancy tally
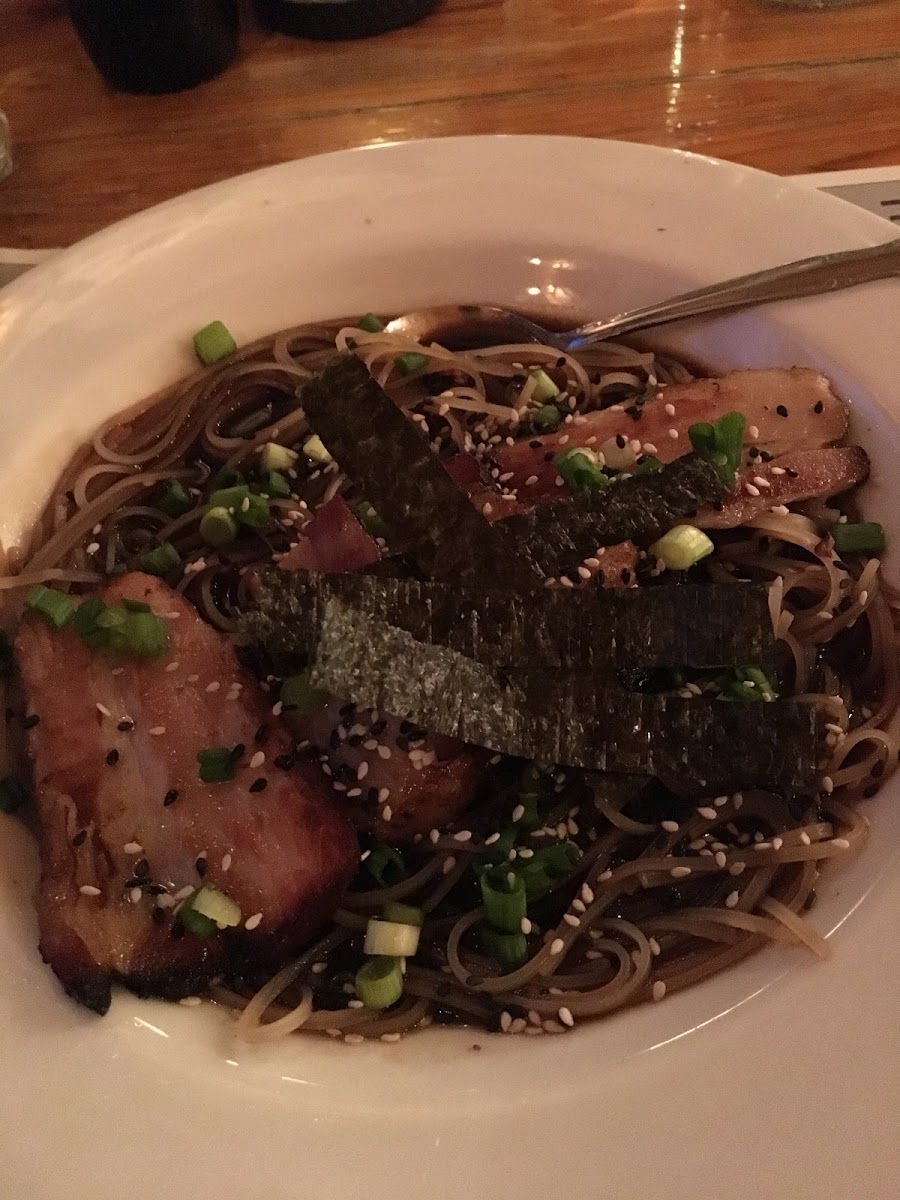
(788, 90)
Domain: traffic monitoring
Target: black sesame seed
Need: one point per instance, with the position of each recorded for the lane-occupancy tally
(379, 727)
(125, 726)
(535, 444)
(621, 440)
(158, 916)
(549, 456)
(261, 734)
(347, 710)
(134, 882)
(561, 361)
(407, 727)
(170, 797)
(80, 838)
(334, 740)
(869, 792)
(754, 452)
(155, 889)
(819, 406)
(781, 410)
(30, 722)
(200, 864)
(791, 473)
(177, 931)
(259, 785)
(354, 740)
(283, 762)
(634, 412)
(238, 752)
(766, 456)
(112, 758)
(626, 575)
(141, 868)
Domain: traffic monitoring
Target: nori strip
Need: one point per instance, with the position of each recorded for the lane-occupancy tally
(705, 745)
(573, 629)
(383, 452)
(558, 536)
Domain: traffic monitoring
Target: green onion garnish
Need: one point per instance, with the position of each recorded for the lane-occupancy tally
(174, 500)
(370, 323)
(54, 606)
(403, 914)
(547, 418)
(146, 635)
(720, 444)
(84, 623)
(160, 561)
(648, 465)
(747, 684)
(370, 520)
(6, 655)
(195, 922)
(275, 484)
(407, 364)
(547, 867)
(240, 503)
(228, 477)
(217, 765)
(544, 387)
(218, 527)
(394, 938)
(385, 864)
(216, 905)
(863, 537)
(213, 342)
(504, 899)
(13, 794)
(315, 449)
(379, 982)
(682, 547)
(579, 469)
(511, 949)
(277, 458)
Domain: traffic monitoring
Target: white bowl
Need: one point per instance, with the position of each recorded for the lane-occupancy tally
(759, 1082)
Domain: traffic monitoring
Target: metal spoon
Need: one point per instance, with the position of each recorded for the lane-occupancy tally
(473, 324)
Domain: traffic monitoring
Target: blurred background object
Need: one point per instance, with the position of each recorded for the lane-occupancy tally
(339, 20)
(154, 46)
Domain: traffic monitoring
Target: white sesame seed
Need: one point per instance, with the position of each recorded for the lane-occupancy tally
(386, 813)
(117, 671)
(557, 946)
(353, 1039)
(494, 837)
(659, 989)
(709, 813)
(578, 905)
(362, 770)
(753, 432)
(607, 874)
(165, 901)
(721, 860)
(763, 846)
(649, 448)
(226, 862)
(157, 731)
(805, 838)
(751, 490)
(383, 794)
(680, 872)
(566, 1017)
(841, 843)
(571, 919)
(531, 480)
(276, 709)
(655, 948)
(135, 894)
(464, 835)
(525, 925)
(190, 1001)
(669, 826)
(183, 893)
(777, 843)
(670, 410)
(133, 848)
(505, 1021)
(252, 922)
(761, 482)
(103, 710)
(737, 868)
(88, 889)
(518, 812)
(525, 852)
(383, 751)
(587, 894)
(731, 899)
(827, 784)
(449, 864)
(190, 678)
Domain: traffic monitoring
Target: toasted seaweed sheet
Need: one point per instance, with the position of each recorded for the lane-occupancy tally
(572, 629)
(383, 452)
(557, 536)
(576, 720)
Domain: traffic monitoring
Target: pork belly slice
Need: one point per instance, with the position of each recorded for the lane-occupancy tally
(127, 826)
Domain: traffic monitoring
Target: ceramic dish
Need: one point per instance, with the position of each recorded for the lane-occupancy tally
(774, 1080)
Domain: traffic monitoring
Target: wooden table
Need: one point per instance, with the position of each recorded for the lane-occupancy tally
(786, 90)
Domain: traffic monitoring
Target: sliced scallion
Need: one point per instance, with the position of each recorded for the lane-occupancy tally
(162, 560)
(511, 949)
(504, 899)
(720, 444)
(385, 864)
(315, 449)
(370, 323)
(210, 902)
(277, 458)
(218, 527)
(403, 914)
(394, 938)
(146, 635)
(408, 364)
(276, 485)
(580, 470)
(544, 387)
(860, 537)
(54, 606)
(682, 547)
(216, 765)
(175, 500)
(213, 342)
(379, 982)
(547, 418)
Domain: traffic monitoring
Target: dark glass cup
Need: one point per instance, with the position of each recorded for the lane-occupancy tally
(154, 46)
(339, 20)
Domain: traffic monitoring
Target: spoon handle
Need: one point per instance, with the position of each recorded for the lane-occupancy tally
(806, 277)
